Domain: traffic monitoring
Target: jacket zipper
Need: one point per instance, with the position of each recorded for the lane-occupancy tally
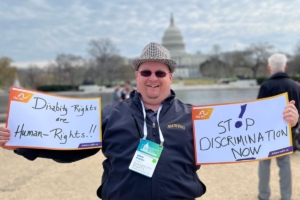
(137, 126)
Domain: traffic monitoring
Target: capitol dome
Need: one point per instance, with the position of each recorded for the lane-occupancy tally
(173, 40)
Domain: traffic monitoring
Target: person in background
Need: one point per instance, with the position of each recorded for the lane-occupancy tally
(116, 96)
(125, 94)
(278, 83)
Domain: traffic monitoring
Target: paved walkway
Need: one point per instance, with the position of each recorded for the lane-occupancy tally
(44, 179)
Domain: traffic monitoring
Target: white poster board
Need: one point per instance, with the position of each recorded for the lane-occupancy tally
(240, 132)
(40, 120)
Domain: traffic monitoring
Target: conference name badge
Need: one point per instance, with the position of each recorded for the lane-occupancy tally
(145, 158)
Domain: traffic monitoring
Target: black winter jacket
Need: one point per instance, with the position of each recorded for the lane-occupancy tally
(175, 175)
(279, 83)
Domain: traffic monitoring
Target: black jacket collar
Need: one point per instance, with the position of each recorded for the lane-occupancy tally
(279, 75)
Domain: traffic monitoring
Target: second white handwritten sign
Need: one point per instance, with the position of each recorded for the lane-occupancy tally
(241, 131)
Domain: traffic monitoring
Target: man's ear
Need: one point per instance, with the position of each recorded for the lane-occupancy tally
(269, 69)
(285, 68)
(136, 74)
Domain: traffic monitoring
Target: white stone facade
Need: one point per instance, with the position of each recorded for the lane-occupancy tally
(188, 65)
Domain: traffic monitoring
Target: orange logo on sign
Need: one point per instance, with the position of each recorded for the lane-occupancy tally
(202, 113)
(20, 96)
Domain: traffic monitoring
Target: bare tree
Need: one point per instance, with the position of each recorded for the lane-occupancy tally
(213, 67)
(297, 48)
(7, 72)
(293, 66)
(255, 56)
(30, 77)
(91, 73)
(68, 69)
(107, 61)
(230, 60)
(127, 72)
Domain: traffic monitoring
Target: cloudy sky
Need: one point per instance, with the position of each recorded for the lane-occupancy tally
(35, 31)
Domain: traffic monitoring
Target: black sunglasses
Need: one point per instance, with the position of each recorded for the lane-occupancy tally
(147, 73)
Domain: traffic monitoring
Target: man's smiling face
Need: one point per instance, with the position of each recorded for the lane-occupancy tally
(152, 88)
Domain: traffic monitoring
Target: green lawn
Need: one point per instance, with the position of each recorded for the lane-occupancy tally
(195, 81)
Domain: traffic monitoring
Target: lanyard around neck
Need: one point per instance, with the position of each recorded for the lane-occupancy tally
(161, 137)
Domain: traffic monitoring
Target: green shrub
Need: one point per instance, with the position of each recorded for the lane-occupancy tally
(260, 80)
(295, 78)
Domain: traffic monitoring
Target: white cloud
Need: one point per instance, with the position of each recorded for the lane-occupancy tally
(40, 29)
(39, 64)
(40, 4)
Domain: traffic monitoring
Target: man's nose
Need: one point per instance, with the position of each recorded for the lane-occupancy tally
(153, 76)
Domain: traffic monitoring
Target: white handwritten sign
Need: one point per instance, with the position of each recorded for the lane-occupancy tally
(40, 120)
(240, 132)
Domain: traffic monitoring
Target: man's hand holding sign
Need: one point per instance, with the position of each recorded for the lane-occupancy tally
(243, 131)
(38, 120)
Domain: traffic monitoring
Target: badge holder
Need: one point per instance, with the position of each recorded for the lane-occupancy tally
(148, 153)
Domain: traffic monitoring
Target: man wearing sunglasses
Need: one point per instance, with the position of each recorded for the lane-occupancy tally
(147, 139)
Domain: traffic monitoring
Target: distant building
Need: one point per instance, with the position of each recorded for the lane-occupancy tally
(188, 65)
(16, 82)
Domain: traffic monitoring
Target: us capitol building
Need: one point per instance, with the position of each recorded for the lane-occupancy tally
(187, 64)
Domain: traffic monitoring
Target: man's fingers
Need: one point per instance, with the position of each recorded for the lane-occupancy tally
(4, 135)
(290, 114)
(292, 102)
(4, 138)
(290, 108)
